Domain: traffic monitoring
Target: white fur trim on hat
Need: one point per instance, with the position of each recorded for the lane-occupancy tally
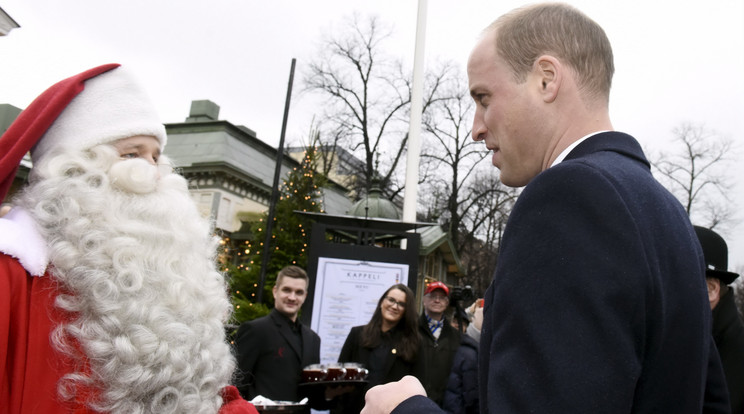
(112, 106)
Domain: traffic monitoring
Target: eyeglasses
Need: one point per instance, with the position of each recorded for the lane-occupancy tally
(393, 302)
(441, 298)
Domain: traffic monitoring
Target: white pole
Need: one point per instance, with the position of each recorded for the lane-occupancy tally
(414, 128)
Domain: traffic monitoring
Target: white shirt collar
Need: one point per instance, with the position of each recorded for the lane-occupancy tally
(568, 149)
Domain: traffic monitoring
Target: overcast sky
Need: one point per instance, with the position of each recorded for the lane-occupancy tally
(675, 61)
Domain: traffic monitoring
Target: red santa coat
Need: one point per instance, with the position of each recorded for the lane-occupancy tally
(30, 367)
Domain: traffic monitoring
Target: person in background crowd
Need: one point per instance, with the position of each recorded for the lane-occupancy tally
(461, 394)
(476, 317)
(273, 350)
(387, 346)
(439, 342)
(597, 304)
(110, 297)
(458, 320)
(728, 329)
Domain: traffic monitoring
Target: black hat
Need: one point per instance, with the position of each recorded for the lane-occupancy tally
(716, 255)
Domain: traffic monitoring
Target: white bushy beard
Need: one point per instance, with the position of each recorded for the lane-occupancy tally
(136, 263)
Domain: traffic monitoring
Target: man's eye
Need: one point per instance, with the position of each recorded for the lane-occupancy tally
(481, 99)
(130, 155)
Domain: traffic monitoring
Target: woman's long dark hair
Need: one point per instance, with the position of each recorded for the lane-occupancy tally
(406, 337)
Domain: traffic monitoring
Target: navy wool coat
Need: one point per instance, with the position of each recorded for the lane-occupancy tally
(598, 302)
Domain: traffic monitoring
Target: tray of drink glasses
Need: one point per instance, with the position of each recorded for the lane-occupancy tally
(324, 382)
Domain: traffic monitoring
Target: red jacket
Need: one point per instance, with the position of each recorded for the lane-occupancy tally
(29, 366)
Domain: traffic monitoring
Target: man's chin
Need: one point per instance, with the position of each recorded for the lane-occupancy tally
(289, 310)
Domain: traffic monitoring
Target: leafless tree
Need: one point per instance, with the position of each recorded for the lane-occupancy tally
(462, 189)
(490, 203)
(367, 108)
(325, 156)
(331, 158)
(698, 175)
(368, 96)
(451, 156)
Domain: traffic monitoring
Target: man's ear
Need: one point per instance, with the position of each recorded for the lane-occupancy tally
(714, 290)
(549, 72)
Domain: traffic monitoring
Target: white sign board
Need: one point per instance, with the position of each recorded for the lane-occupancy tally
(346, 295)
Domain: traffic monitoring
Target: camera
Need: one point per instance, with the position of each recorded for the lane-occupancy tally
(459, 295)
(462, 294)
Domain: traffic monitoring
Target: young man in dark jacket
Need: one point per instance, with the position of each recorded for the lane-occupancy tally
(273, 349)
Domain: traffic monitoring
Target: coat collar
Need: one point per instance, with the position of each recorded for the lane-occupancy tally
(726, 319)
(610, 141)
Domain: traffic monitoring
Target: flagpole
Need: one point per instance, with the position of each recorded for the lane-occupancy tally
(414, 127)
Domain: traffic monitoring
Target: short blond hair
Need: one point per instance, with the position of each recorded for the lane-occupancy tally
(560, 30)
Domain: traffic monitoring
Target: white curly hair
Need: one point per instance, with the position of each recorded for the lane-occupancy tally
(136, 268)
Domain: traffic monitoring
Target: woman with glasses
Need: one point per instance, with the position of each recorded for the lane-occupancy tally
(386, 346)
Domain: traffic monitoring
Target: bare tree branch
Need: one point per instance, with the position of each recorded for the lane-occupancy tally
(697, 174)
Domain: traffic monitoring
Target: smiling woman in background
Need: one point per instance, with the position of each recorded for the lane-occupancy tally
(386, 346)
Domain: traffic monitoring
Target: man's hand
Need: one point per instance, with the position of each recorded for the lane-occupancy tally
(383, 399)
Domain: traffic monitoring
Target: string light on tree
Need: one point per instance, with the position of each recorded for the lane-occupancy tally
(300, 191)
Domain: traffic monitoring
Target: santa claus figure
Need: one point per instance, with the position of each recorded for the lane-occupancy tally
(110, 298)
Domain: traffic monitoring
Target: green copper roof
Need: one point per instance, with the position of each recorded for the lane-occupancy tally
(375, 206)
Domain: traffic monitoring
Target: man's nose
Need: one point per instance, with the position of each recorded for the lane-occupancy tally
(479, 130)
(151, 160)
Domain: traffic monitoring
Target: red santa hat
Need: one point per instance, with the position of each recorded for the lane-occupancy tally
(98, 106)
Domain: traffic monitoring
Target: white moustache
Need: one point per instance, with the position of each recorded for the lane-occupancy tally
(136, 175)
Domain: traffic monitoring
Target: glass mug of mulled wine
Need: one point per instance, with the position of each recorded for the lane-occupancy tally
(314, 373)
(355, 371)
(336, 371)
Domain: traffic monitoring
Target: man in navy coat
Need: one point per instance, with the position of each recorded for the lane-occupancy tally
(273, 350)
(598, 303)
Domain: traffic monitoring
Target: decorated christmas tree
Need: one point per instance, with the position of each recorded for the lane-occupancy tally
(288, 245)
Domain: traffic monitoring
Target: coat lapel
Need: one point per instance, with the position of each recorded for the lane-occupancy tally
(286, 332)
(307, 346)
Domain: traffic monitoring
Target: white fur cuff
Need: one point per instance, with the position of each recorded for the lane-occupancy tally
(19, 238)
